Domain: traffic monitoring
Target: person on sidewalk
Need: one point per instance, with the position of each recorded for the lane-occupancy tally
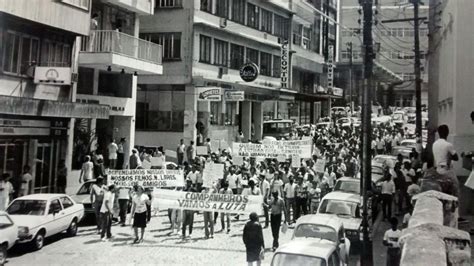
(444, 154)
(139, 212)
(253, 240)
(106, 212)
(87, 170)
(112, 149)
(61, 182)
(388, 190)
(390, 240)
(290, 200)
(123, 198)
(97, 198)
(277, 206)
(121, 153)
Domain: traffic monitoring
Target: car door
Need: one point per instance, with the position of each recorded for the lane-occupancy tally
(55, 213)
(68, 210)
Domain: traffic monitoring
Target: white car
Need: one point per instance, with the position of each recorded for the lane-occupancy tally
(317, 252)
(42, 215)
(8, 235)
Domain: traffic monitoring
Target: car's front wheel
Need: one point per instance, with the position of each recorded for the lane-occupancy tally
(3, 254)
(38, 241)
(72, 230)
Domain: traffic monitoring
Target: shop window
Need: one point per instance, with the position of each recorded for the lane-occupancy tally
(20, 51)
(205, 49)
(230, 116)
(236, 56)
(170, 43)
(265, 64)
(252, 56)
(221, 49)
(276, 66)
(206, 5)
(253, 16)
(267, 21)
(238, 11)
(222, 8)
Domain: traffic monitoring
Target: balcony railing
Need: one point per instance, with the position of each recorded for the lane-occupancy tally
(109, 41)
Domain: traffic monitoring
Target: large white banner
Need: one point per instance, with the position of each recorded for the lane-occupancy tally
(172, 199)
(146, 177)
(274, 149)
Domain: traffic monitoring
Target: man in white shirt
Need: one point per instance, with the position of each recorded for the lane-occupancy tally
(265, 189)
(106, 212)
(443, 151)
(112, 149)
(180, 152)
(26, 186)
(123, 198)
(390, 239)
(388, 190)
(289, 192)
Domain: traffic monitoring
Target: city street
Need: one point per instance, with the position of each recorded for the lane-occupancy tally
(159, 247)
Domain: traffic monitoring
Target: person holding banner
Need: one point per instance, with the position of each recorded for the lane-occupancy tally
(188, 215)
(253, 240)
(139, 212)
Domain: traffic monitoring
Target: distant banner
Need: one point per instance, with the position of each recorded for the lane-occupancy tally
(242, 204)
(274, 149)
(320, 165)
(146, 178)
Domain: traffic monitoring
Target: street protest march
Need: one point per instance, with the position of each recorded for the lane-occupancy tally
(146, 177)
(225, 203)
(274, 149)
(211, 173)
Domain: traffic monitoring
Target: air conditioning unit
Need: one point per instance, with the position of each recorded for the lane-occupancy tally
(223, 22)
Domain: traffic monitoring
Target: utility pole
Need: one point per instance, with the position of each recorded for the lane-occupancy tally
(419, 126)
(366, 258)
(349, 49)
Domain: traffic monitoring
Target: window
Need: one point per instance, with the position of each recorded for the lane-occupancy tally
(306, 38)
(297, 34)
(236, 56)
(276, 66)
(20, 51)
(170, 42)
(220, 52)
(267, 21)
(84, 4)
(54, 207)
(222, 8)
(205, 49)
(281, 26)
(230, 118)
(238, 11)
(168, 3)
(252, 56)
(66, 202)
(56, 54)
(265, 64)
(252, 16)
(214, 113)
(206, 5)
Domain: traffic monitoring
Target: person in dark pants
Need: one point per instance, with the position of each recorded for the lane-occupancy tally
(390, 240)
(149, 192)
(188, 215)
(388, 190)
(106, 212)
(62, 177)
(121, 153)
(277, 206)
(253, 239)
(301, 199)
(123, 198)
(97, 196)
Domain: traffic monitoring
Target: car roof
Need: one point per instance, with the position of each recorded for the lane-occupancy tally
(309, 247)
(278, 121)
(337, 195)
(348, 179)
(321, 219)
(40, 196)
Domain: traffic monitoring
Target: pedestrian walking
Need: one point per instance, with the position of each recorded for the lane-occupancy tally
(388, 190)
(87, 170)
(106, 212)
(253, 240)
(277, 206)
(61, 182)
(188, 215)
(265, 192)
(134, 160)
(26, 187)
(225, 190)
(97, 198)
(6, 191)
(180, 152)
(390, 240)
(112, 149)
(123, 198)
(190, 152)
(290, 200)
(121, 153)
(208, 217)
(140, 202)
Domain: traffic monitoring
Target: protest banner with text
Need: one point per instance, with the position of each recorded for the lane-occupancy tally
(211, 173)
(146, 177)
(242, 204)
(274, 149)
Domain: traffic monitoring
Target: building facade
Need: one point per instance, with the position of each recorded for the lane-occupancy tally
(38, 70)
(205, 44)
(450, 74)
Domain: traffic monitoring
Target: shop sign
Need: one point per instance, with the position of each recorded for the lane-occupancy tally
(249, 72)
(53, 75)
(19, 127)
(330, 67)
(234, 96)
(59, 128)
(210, 94)
(284, 65)
(337, 91)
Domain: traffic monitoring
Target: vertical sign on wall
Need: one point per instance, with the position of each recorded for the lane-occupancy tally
(284, 64)
(330, 68)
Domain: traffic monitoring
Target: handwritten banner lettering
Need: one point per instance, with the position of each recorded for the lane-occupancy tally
(273, 149)
(146, 178)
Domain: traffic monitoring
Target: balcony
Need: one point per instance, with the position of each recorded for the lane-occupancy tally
(106, 48)
(141, 7)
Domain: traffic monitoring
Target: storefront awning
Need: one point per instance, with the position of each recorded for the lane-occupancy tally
(47, 108)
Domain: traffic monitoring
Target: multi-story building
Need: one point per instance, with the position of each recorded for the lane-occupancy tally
(394, 44)
(450, 74)
(205, 45)
(111, 59)
(38, 66)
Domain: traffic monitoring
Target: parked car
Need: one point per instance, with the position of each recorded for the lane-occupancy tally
(322, 226)
(83, 196)
(324, 125)
(42, 215)
(346, 206)
(345, 121)
(8, 235)
(309, 252)
(399, 118)
(404, 148)
(278, 128)
(339, 111)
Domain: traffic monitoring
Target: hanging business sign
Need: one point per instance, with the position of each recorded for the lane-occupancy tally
(337, 91)
(330, 68)
(234, 96)
(210, 94)
(249, 72)
(284, 65)
(53, 75)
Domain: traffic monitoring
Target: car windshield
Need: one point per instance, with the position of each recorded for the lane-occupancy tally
(27, 207)
(340, 207)
(348, 186)
(407, 143)
(397, 116)
(276, 127)
(316, 231)
(284, 259)
(5, 221)
(85, 189)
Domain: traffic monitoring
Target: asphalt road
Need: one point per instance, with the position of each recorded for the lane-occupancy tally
(159, 247)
